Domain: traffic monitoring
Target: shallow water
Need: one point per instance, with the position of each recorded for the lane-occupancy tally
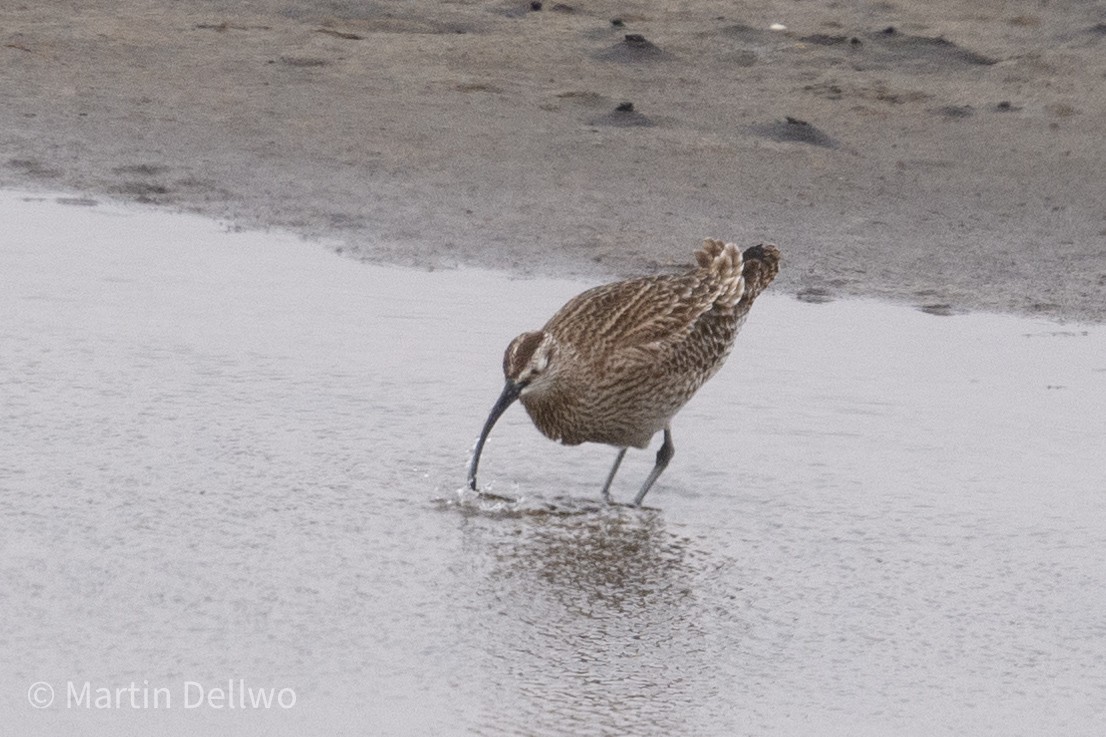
(238, 457)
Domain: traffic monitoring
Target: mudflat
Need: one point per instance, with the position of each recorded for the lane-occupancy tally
(950, 155)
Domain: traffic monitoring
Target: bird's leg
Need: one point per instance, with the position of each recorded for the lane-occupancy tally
(610, 476)
(664, 455)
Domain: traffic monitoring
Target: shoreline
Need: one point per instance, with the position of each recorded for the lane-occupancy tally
(954, 163)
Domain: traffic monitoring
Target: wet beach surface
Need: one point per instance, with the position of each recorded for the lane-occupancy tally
(937, 153)
(234, 456)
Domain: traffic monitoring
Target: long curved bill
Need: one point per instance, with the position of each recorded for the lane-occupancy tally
(509, 395)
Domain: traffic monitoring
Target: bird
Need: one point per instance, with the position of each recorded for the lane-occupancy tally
(618, 361)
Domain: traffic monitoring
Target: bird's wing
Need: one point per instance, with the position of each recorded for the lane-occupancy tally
(638, 313)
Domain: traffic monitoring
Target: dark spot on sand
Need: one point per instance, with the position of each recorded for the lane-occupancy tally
(617, 22)
(140, 170)
(624, 116)
(535, 6)
(563, 8)
(956, 112)
(886, 49)
(34, 168)
(344, 221)
(583, 97)
(942, 309)
(794, 130)
(303, 61)
(76, 201)
(814, 295)
(923, 51)
(223, 27)
(822, 39)
(340, 34)
(1007, 107)
(478, 87)
(141, 191)
(634, 47)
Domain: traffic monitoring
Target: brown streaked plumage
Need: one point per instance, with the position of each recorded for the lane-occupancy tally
(617, 362)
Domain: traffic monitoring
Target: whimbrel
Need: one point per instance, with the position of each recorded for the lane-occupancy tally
(617, 362)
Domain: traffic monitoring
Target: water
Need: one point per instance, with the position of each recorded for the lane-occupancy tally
(235, 461)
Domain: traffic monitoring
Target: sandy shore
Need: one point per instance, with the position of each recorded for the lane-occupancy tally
(951, 155)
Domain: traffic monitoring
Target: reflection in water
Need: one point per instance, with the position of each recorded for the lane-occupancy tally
(594, 620)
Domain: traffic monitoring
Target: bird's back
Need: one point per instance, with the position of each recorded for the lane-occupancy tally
(637, 350)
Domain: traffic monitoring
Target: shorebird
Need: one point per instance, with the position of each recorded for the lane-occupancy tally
(617, 362)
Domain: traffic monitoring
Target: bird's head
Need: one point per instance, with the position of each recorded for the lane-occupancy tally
(530, 362)
(529, 366)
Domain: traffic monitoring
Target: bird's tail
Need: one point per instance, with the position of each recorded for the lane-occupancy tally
(724, 263)
(760, 266)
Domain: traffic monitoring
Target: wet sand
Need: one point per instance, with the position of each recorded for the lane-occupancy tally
(943, 154)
